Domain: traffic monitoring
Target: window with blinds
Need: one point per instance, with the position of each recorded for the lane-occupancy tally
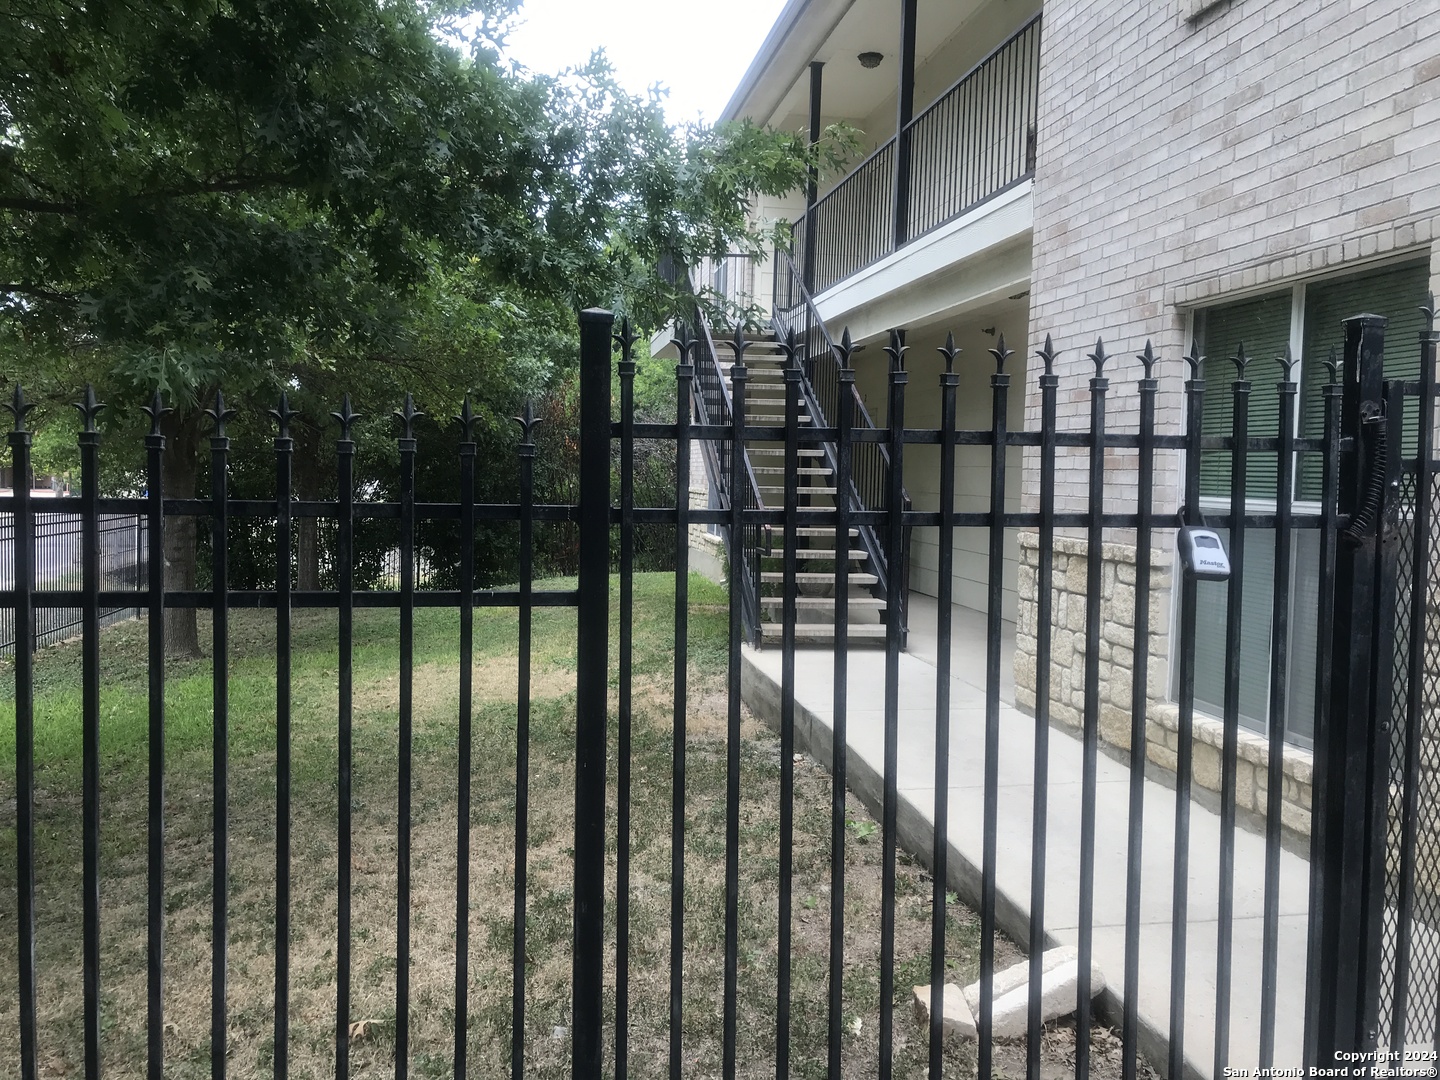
(1397, 293)
(1312, 315)
(1262, 327)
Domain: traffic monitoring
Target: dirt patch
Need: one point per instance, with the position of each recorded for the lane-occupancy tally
(436, 685)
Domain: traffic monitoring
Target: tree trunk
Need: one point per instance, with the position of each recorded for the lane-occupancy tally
(309, 487)
(181, 467)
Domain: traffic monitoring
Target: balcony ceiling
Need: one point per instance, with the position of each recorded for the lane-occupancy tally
(776, 90)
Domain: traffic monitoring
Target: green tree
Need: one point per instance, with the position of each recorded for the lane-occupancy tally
(326, 194)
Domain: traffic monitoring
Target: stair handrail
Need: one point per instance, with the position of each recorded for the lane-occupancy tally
(868, 535)
(710, 379)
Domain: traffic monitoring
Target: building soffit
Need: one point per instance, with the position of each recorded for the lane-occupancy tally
(774, 89)
(801, 30)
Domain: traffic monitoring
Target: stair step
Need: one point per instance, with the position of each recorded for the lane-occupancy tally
(802, 490)
(823, 470)
(773, 419)
(824, 601)
(771, 451)
(825, 631)
(814, 553)
(820, 530)
(803, 578)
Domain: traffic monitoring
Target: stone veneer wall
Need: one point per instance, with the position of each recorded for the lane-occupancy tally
(1117, 660)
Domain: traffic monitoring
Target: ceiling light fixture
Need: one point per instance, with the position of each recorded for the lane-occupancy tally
(870, 59)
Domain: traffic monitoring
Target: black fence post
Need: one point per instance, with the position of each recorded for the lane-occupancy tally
(592, 686)
(24, 582)
(1356, 739)
(90, 719)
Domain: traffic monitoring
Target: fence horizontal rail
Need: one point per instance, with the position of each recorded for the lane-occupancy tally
(1015, 519)
(265, 598)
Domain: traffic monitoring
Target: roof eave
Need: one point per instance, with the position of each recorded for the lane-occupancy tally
(806, 23)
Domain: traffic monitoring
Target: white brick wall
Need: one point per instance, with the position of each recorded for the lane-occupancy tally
(1181, 162)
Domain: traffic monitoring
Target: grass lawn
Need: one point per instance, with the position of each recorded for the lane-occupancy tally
(252, 829)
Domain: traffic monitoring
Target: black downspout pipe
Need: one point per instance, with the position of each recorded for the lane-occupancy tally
(905, 113)
(812, 182)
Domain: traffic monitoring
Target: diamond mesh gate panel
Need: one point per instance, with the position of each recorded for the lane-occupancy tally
(1420, 983)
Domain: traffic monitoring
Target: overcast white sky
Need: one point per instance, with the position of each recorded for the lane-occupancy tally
(698, 51)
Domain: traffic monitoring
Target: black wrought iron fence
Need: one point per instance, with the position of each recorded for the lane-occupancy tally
(1357, 761)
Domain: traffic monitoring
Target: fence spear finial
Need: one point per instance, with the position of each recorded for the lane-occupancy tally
(738, 344)
(346, 417)
(407, 415)
(1428, 310)
(626, 338)
(1287, 364)
(1048, 355)
(1148, 358)
(1241, 361)
(19, 407)
(949, 352)
(1334, 364)
(89, 408)
(683, 341)
(283, 414)
(220, 413)
(156, 411)
(791, 347)
(896, 350)
(466, 420)
(1001, 353)
(528, 421)
(1196, 359)
(845, 351)
(1098, 358)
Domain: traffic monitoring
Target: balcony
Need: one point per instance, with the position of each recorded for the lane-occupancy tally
(975, 141)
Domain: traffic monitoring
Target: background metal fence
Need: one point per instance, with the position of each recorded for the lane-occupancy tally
(58, 566)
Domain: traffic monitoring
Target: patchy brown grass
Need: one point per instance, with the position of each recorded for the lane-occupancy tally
(251, 890)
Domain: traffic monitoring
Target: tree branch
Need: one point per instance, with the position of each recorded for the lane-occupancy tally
(38, 206)
(38, 293)
(222, 185)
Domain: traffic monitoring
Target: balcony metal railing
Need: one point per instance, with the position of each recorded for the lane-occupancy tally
(974, 141)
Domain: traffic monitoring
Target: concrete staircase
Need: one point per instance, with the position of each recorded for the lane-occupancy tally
(815, 545)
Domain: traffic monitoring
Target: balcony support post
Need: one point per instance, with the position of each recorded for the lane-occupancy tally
(812, 182)
(906, 113)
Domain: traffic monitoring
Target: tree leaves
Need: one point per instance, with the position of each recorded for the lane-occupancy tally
(309, 193)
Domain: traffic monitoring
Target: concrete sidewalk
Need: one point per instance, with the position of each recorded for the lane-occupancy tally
(814, 702)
